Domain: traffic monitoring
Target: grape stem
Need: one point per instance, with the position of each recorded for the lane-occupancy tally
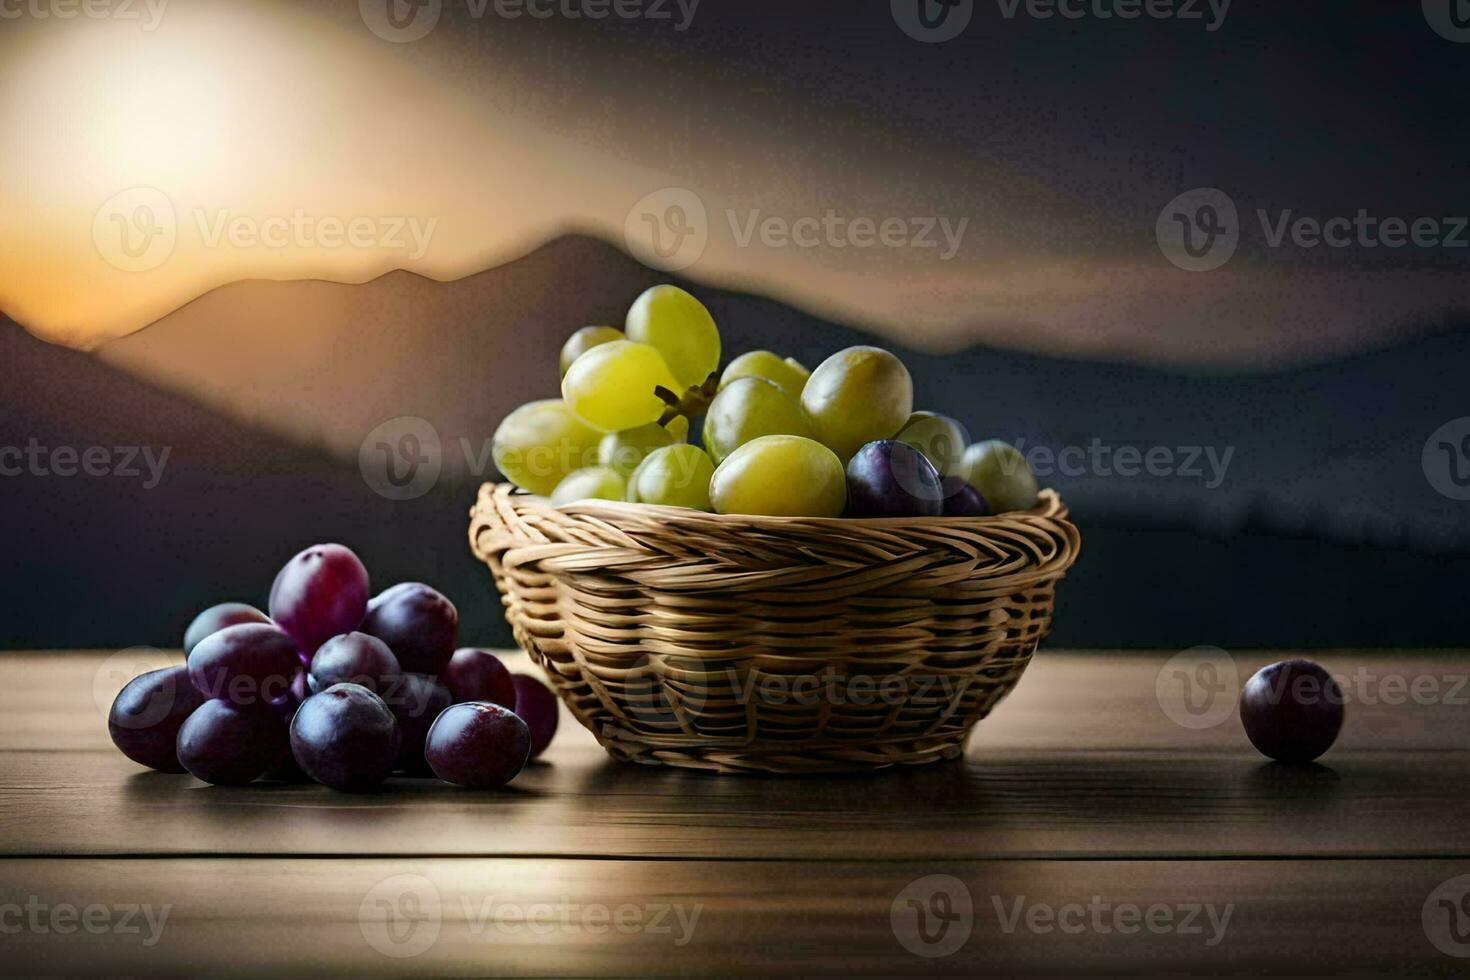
(695, 400)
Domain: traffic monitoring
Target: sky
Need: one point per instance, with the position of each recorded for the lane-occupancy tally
(1022, 183)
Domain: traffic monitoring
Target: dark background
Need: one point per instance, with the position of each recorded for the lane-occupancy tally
(1326, 531)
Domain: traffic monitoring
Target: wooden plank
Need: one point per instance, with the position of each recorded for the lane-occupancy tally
(1026, 805)
(1039, 781)
(1094, 700)
(570, 917)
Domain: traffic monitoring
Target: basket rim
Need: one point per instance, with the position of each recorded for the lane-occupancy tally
(1049, 507)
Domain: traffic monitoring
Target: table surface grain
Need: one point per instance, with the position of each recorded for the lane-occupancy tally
(1084, 831)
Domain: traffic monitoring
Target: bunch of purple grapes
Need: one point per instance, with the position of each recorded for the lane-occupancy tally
(335, 687)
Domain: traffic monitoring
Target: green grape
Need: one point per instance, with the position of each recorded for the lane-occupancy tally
(1001, 474)
(677, 476)
(789, 374)
(780, 476)
(940, 438)
(589, 483)
(678, 325)
(623, 451)
(538, 444)
(584, 340)
(678, 427)
(612, 386)
(747, 409)
(855, 396)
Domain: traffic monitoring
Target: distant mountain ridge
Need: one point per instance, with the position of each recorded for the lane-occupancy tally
(1330, 450)
(1323, 529)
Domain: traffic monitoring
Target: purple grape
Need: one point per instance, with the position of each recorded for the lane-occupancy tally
(216, 618)
(419, 625)
(248, 665)
(886, 478)
(354, 658)
(538, 708)
(228, 745)
(416, 700)
(1292, 710)
(477, 745)
(478, 675)
(285, 770)
(287, 703)
(346, 738)
(146, 716)
(965, 502)
(320, 593)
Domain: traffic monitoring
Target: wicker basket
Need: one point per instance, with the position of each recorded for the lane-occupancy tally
(776, 644)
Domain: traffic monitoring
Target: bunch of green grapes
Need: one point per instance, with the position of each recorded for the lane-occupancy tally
(775, 440)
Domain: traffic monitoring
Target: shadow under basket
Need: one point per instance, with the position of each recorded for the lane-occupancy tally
(775, 644)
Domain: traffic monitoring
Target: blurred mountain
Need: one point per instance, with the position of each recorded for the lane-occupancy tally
(1286, 508)
(1330, 451)
(182, 508)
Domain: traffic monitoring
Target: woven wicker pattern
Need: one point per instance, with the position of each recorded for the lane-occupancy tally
(778, 644)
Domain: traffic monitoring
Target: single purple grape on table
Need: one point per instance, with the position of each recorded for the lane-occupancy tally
(229, 745)
(886, 478)
(537, 707)
(146, 716)
(419, 625)
(478, 675)
(965, 502)
(353, 658)
(321, 592)
(415, 700)
(216, 618)
(249, 665)
(346, 738)
(1292, 710)
(477, 745)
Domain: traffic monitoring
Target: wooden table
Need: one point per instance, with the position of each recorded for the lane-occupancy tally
(1085, 830)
